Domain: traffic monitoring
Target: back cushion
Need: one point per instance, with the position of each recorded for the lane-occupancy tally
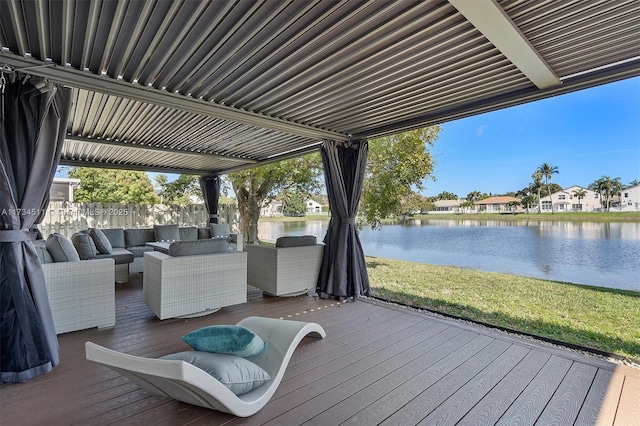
(138, 237)
(41, 250)
(219, 230)
(191, 248)
(188, 233)
(85, 246)
(204, 233)
(166, 232)
(61, 249)
(305, 240)
(115, 237)
(101, 241)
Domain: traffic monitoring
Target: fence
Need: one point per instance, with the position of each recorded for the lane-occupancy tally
(67, 218)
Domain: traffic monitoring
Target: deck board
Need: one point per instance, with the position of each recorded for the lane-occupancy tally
(378, 364)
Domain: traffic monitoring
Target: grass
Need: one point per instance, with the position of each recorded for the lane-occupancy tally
(600, 318)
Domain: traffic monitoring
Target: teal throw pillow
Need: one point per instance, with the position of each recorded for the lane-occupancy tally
(226, 339)
(237, 374)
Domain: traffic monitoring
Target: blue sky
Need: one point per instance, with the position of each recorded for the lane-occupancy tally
(586, 134)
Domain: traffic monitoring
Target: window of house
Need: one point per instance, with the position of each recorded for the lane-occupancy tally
(562, 197)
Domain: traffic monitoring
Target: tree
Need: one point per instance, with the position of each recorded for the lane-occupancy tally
(631, 184)
(447, 196)
(607, 188)
(579, 194)
(396, 168)
(547, 171)
(416, 202)
(112, 186)
(468, 205)
(512, 206)
(474, 196)
(536, 186)
(258, 186)
(180, 190)
(528, 201)
(294, 204)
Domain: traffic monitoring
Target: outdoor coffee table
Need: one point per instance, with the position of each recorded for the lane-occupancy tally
(161, 246)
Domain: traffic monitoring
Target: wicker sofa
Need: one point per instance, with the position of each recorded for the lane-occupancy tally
(290, 268)
(185, 283)
(81, 294)
(133, 240)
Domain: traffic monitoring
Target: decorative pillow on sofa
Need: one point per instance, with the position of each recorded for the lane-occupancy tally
(226, 339)
(166, 232)
(102, 242)
(61, 249)
(237, 374)
(84, 245)
(305, 240)
(219, 230)
(41, 249)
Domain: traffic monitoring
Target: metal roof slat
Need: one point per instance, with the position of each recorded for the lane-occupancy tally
(67, 31)
(15, 13)
(283, 67)
(332, 57)
(90, 32)
(177, 40)
(374, 64)
(281, 24)
(141, 21)
(389, 70)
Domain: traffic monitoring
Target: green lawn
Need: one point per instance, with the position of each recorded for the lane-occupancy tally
(600, 318)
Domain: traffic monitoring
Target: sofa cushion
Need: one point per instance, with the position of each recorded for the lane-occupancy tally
(84, 245)
(166, 232)
(115, 236)
(237, 374)
(204, 233)
(225, 339)
(61, 249)
(219, 230)
(139, 251)
(41, 250)
(101, 241)
(305, 240)
(119, 255)
(138, 237)
(191, 248)
(188, 233)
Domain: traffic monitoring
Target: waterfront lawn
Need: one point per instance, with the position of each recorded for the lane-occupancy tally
(600, 318)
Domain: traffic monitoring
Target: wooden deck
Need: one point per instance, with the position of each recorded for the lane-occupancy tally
(378, 365)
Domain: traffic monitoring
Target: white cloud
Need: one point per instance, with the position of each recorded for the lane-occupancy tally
(480, 130)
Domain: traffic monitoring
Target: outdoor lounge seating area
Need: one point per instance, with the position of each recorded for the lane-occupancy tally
(378, 364)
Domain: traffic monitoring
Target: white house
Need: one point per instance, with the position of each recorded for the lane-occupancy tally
(567, 201)
(313, 207)
(447, 206)
(62, 189)
(272, 209)
(630, 199)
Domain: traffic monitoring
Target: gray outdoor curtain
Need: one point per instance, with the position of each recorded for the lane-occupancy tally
(343, 274)
(33, 117)
(210, 186)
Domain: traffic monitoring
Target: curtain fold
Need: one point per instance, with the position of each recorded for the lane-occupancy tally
(343, 274)
(33, 119)
(210, 186)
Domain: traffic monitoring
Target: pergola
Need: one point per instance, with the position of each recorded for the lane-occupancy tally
(211, 87)
(203, 87)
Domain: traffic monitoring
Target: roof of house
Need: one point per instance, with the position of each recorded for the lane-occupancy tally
(211, 87)
(498, 200)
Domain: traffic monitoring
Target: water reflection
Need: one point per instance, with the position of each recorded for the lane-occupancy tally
(603, 254)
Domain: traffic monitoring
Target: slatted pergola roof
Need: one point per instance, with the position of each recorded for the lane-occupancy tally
(208, 87)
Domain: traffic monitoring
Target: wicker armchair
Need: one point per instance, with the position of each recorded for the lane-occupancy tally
(81, 294)
(284, 271)
(188, 286)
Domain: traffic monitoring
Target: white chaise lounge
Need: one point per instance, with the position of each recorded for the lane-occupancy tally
(185, 382)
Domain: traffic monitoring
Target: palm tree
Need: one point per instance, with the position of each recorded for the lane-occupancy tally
(631, 184)
(537, 183)
(607, 187)
(579, 194)
(547, 171)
